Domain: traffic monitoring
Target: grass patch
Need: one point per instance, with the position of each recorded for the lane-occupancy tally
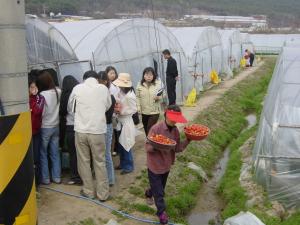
(234, 195)
(137, 191)
(88, 221)
(143, 208)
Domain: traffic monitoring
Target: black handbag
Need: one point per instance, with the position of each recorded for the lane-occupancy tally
(136, 118)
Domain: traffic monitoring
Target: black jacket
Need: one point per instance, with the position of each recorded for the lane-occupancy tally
(172, 68)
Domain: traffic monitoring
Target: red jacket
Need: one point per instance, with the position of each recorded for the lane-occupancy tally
(36, 103)
(160, 162)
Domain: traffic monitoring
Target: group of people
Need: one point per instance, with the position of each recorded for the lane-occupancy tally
(249, 57)
(84, 117)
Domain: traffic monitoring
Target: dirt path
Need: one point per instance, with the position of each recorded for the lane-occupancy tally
(57, 209)
(210, 96)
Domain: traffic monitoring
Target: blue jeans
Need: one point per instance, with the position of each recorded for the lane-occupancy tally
(108, 158)
(36, 142)
(50, 140)
(126, 159)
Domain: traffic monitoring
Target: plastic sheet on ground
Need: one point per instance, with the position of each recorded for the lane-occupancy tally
(243, 218)
(199, 170)
(112, 222)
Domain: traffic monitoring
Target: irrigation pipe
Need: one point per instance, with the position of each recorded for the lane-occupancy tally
(144, 220)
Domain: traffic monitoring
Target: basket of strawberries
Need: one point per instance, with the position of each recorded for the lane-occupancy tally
(161, 142)
(196, 132)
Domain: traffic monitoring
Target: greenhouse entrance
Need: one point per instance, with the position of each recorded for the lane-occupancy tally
(76, 69)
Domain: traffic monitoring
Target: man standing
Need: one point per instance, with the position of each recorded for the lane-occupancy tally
(172, 76)
(90, 102)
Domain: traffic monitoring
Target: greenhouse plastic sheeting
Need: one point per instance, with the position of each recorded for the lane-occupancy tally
(232, 50)
(203, 49)
(276, 153)
(292, 42)
(246, 42)
(271, 43)
(45, 44)
(76, 69)
(129, 45)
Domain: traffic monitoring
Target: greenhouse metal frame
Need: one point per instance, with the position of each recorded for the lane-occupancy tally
(46, 46)
(129, 45)
(203, 49)
(232, 54)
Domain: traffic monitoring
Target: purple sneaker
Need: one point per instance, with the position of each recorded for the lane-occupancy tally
(163, 218)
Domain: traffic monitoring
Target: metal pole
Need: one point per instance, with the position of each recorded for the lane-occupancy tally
(17, 186)
(202, 73)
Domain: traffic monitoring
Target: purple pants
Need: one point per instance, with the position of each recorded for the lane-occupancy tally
(157, 190)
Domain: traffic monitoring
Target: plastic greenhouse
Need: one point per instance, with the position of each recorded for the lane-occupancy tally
(271, 43)
(232, 50)
(277, 149)
(46, 46)
(246, 43)
(203, 49)
(293, 42)
(129, 45)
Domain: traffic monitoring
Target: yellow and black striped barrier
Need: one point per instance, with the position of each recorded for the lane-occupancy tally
(17, 185)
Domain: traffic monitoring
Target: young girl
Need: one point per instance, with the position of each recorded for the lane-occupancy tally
(114, 90)
(36, 102)
(103, 79)
(159, 161)
(125, 125)
(149, 98)
(50, 130)
(67, 126)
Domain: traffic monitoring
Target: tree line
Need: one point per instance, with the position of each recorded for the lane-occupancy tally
(280, 13)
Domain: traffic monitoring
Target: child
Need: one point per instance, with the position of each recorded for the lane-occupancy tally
(36, 102)
(159, 161)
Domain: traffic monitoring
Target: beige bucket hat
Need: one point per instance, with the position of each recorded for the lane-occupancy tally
(124, 80)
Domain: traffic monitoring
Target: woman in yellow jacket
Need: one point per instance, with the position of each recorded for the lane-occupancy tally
(149, 95)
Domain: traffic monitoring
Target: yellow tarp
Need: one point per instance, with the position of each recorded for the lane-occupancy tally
(214, 77)
(191, 99)
(243, 63)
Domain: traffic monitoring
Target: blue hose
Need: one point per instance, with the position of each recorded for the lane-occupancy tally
(105, 206)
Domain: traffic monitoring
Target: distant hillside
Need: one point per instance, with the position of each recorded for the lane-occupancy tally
(280, 12)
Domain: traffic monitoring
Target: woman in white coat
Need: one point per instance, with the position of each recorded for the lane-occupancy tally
(128, 107)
